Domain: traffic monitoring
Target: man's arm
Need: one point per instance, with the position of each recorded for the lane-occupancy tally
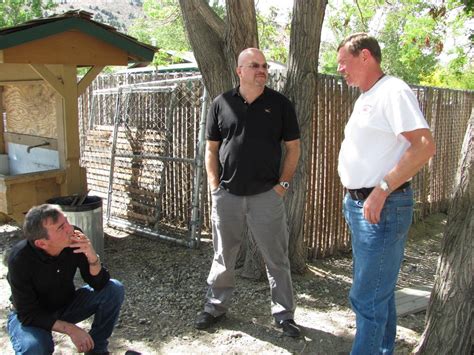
(81, 339)
(422, 148)
(292, 155)
(212, 163)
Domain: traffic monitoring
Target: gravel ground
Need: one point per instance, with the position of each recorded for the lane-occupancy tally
(166, 283)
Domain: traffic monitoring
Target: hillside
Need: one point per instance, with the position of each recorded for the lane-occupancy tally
(117, 13)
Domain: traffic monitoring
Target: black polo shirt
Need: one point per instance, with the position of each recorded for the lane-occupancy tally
(251, 136)
(43, 286)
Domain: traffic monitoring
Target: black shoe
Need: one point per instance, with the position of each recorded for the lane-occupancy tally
(290, 329)
(204, 320)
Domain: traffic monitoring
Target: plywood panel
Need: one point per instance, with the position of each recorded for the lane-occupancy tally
(31, 109)
(71, 47)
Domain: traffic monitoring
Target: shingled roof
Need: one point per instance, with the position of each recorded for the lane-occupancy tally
(78, 20)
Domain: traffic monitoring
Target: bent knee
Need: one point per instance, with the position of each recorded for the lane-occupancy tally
(117, 289)
(34, 345)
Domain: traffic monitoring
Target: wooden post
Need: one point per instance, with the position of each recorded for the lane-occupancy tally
(68, 136)
(2, 128)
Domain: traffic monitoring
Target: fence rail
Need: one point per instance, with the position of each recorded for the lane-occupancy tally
(168, 199)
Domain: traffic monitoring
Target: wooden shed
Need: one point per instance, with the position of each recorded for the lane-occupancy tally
(39, 90)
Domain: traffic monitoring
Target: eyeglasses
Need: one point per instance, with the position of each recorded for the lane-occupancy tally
(255, 66)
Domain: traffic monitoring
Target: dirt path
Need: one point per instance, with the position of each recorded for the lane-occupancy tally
(165, 287)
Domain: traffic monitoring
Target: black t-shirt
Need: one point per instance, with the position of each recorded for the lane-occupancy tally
(251, 136)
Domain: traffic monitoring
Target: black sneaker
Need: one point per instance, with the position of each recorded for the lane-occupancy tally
(290, 329)
(204, 320)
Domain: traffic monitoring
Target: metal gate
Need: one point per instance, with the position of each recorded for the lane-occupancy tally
(152, 137)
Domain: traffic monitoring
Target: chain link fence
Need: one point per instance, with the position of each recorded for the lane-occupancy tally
(143, 153)
(142, 144)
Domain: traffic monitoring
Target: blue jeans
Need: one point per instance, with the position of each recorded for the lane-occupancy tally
(104, 304)
(377, 251)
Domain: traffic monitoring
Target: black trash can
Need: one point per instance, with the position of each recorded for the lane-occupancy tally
(87, 216)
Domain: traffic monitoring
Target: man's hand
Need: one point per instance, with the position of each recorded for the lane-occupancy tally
(373, 205)
(279, 190)
(81, 339)
(82, 244)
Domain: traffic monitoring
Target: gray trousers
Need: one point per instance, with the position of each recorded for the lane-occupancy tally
(266, 218)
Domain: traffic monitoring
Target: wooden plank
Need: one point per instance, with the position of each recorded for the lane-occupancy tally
(412, 300)
(49, 77)
(88, 78)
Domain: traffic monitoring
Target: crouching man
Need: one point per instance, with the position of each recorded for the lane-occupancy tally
(41, 272)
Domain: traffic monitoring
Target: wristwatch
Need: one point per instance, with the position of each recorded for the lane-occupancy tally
(384, 186)
(285, 184)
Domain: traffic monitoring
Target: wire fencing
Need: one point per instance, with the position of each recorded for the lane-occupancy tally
(143, 138)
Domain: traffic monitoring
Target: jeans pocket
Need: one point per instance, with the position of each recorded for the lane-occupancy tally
(404, 220)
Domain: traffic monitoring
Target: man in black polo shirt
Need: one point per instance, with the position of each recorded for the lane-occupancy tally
(245, 128)
(41, 271)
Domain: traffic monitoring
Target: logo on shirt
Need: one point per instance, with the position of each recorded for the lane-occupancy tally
(366, 108)
(268, 110)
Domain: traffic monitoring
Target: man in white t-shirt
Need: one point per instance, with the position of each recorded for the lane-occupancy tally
(386, 142)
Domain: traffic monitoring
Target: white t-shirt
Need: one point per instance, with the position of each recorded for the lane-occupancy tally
(373, 143)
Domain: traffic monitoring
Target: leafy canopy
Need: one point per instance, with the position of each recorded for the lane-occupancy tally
(163, 26)
(419, 39)
(14, 12)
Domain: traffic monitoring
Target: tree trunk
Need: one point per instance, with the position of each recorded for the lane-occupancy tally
(301, 88)
(216, 45)
(241, 32)
(449, 319)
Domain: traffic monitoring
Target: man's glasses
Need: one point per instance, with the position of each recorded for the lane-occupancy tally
(255, 66)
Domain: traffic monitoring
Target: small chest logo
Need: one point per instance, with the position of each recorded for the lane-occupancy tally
(268, 110)
(366, 108)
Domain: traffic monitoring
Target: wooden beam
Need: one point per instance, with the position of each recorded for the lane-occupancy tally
(21, 82)
(68, 136)
(1, 56)
(88, 78)
(22, 72)
(49, 77)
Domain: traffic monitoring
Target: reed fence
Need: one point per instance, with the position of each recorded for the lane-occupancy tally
(158, 194)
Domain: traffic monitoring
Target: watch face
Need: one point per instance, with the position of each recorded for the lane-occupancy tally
(285, 184)
(384, 185)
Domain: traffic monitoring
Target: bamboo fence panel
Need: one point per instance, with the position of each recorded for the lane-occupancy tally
(325, 231)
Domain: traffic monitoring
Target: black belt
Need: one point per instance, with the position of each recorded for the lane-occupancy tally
(363, 193)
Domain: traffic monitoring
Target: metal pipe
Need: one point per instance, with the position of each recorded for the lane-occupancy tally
(154, 156)
(196, 218)
(147, 232)
(36, 146)
(112, 155)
